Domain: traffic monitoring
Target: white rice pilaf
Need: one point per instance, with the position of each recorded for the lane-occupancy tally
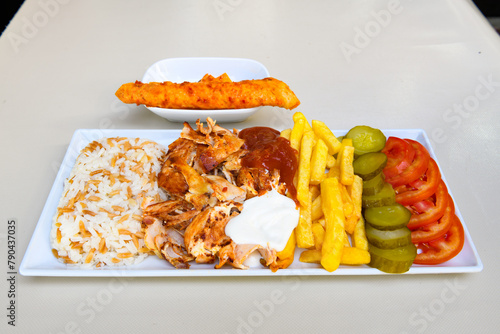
(98, 219)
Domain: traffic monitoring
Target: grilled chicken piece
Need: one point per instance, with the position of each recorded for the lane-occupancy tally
(232, 165)
(233, 161)
(205, 236)
(164, 208)
(167, 243)
(199, 201)
(213, 127)
(183, 149)
(220, 143)
(205, 135)
(235, 255)
(172, 180)
(176, 213)
(268, 254)
(224, 190)
(188, 133)
(195, 153)
(246, 181)
(254, 180)
(221, 149)
(153, 229)
(197, 184)
(174, 250)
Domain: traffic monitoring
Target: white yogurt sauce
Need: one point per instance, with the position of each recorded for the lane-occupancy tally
(267, 219)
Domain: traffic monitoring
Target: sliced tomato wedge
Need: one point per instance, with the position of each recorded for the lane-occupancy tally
(416, 169)
(436, 229)
(421, 188)
(429, 210)
(442, 249)
(400, 155)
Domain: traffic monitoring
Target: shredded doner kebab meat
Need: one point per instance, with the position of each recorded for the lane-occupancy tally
(206, 185)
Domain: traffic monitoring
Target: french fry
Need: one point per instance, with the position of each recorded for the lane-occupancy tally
(314, 190)
(285, 257)
(318, 162)
(330, 212)
(296, 134)
(316, 209)
(346, 200)
(355, 191)
(324, 133)
(347, 243)
(310, 256)
(334, 172)
(298, 115)
(289, 249)
(350, 256)
(345, 142)
(350, 223)
(281, 263)
(304, 167)
(333, 243)
(319, 235)
(330, 161)
(286, 133)
(358, 236)
(303, 231)
(354, 256)
(346, 168)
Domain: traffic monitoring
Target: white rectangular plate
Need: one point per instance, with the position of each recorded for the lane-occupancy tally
(39, 260)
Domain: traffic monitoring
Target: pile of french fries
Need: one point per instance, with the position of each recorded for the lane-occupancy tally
(330, 199)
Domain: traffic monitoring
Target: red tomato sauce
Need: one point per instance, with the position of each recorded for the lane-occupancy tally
(270, 151)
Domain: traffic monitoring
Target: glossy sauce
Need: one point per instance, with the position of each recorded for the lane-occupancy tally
(270, 151)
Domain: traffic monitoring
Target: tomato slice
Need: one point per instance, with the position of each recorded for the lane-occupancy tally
(430, 213)
(436, 229)
(416, 169)
(421, 188)
(442, 249)
(400, 155)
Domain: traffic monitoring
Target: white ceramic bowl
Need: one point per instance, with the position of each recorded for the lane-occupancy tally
(179, 70)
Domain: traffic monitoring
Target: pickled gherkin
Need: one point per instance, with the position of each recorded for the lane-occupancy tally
(385, 196)
(374, 185)
(388, 217)
(369, 165)
(388, 238)
(393, 260)
(366, 139)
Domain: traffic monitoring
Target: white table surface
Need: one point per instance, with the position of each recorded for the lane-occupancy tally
(424, 64)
